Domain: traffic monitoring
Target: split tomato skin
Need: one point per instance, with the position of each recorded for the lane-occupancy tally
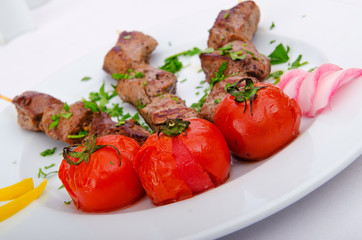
(106, 182)
(175, 168)
(274, 122)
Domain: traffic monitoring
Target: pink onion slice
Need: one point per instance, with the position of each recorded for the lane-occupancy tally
(327, 86)
(309, 85)
(290, 82)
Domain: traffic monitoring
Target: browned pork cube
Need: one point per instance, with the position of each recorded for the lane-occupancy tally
(166, 106)
(251, 64)
(71, 122)
(132, 49)
(237, 23)
(140, 91)
(30, 107)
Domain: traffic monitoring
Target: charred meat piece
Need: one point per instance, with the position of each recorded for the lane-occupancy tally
(71, 122)
(237, 23)
(217, 94)
(30, 107)
(102, 125)
(132, 49)
(247, 61)
(140, 91)
(166, 106)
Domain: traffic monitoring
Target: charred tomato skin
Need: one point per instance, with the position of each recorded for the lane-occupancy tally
(274, 122)
(106, 182)
(176, 168)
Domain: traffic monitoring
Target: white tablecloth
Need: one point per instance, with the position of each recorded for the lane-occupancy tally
(67, 30)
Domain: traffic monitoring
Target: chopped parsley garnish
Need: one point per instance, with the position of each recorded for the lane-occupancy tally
(174, 65)
(226, 15)
(81, 134)
(219, 76)
(183, 80)
(276, 75)
(279, 55)
(139, 105)
(91, 105)
(217, 101)
(297, 63)
(45, 175)
(67, 202)
(127, 37)
(312, 69)
(55, 121)
(272, 41)
(102, 97)
(86, 78)
(48, 152)
(272, 26)
(50, 166)
(130, 75)
(64, 114)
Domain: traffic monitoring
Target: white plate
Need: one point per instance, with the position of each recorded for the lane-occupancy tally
(254, 190)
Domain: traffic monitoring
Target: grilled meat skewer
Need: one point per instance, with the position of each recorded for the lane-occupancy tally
(36, 112)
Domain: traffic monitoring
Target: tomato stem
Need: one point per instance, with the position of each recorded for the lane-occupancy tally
(88, 147)
(248, 92)
(173, 127)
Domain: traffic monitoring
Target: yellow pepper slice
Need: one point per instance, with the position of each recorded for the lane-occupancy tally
(16, 190)
(21, 202)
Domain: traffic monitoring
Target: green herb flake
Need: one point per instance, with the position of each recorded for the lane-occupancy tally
(312, 69)
(272, 26)
(127, 37)
(45, 175)
(112, 163)
(86, 78)
(91, 105)
(272, 41)
(297, 63)
(50, 166)
(217, 101)
(67, 202)
(62, 186)
(55, 121)
(276, 75)
(183, 80)
(48, 152)
(279, 55)
(226, 15)
(81, 134)
(66, 115)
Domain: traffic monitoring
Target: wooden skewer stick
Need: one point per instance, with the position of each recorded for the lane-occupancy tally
(6, 98)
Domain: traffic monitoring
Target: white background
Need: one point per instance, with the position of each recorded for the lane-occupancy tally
(67, 30)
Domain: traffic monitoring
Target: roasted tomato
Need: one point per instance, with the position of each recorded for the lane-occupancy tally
(185, 158)
(257, 120)
(99, 175)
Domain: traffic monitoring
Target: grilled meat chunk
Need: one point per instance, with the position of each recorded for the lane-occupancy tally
(132, 49)
(30, 107)
(251, 64)
(77, 120)
(237, 23)
(102, 125)
(166, 106)
(217, 94)
(140, 91)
